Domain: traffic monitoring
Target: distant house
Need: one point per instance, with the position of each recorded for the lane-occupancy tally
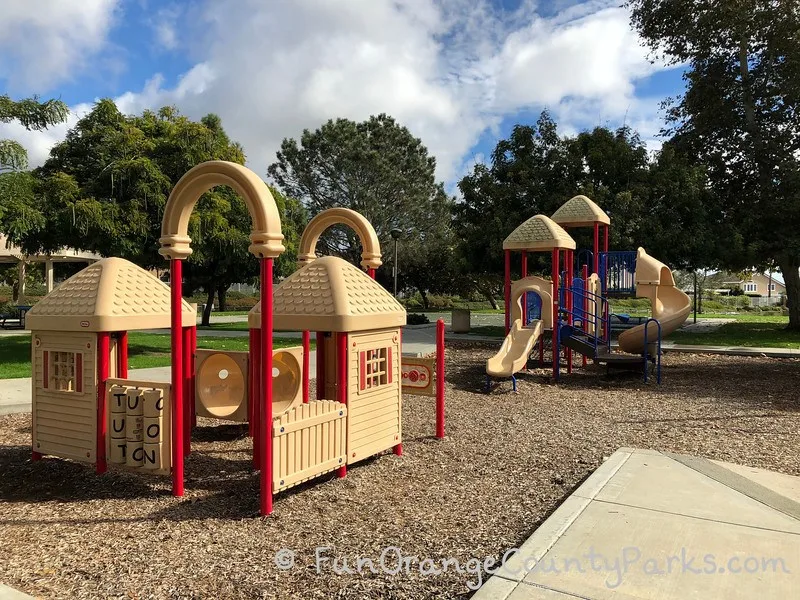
(756, 284)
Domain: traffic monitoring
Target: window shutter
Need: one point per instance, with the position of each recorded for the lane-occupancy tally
(389, 365)
(362, 371)
(46, 369)
(79, 372)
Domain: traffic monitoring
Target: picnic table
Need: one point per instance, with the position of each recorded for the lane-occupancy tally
(17, 317)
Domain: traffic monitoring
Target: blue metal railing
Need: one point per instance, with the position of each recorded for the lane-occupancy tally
(585, 308)
(618, 272)
(658, 350)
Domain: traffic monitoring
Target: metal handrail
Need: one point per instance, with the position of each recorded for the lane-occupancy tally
(658, 350)
(620, 267)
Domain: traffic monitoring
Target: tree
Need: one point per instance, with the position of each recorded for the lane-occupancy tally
(377, 168)
(738, 116)
(533, 172)
(104, 189)
(680, 220)
(32, 114)
(16, 183)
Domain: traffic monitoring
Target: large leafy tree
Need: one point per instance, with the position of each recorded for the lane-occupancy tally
(378, 168)
(739, 117)
(532, 172)
(104, 188)
(33, 114)
(16, 182)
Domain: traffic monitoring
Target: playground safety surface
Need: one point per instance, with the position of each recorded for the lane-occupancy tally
(509, 460)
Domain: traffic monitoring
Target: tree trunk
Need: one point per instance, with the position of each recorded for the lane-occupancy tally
(222, 298)
(207, 310)
(790, 268)
(492, 301)
(424, 295)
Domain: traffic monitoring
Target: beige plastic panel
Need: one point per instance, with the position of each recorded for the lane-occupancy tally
(140, 409)
(64, 424)
(110, 295)
(266, 233)
(543, 287)
(330, 294)
(580, 211)
(308, 441)
(374, 418)
(539, 233)
(222, 383)
(370, 246)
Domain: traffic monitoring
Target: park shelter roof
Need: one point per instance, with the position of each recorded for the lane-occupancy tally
(9, 253)
(112, 294)
(538, 233)
(330, 294)
(579, 211)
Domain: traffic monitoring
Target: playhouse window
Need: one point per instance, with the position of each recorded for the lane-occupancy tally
(63, 371)
(375, 368)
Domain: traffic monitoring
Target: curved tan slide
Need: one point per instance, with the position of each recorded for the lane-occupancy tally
(670, 306)
(519, 342)
(513, 354)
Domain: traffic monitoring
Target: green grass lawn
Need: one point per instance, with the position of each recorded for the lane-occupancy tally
(771, 334)
(145, 350)
(238, 326)
(767, 332)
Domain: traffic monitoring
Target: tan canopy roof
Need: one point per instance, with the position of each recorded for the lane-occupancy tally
(330, 294)
(112, 294)
(579, 211)
(538, 233)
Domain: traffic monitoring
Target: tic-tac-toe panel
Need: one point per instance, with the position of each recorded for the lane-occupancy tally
(139, 425)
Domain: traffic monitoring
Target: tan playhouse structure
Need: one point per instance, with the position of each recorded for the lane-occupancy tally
(86, 408)
(79, 340)
(358, 352)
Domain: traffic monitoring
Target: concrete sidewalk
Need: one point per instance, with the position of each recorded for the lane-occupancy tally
(659, 526)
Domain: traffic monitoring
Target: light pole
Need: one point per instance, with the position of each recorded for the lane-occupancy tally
(395, 233)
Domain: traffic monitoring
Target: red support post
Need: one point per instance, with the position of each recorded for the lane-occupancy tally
(187, 391)
(103, 351)
(265, 414)
(193, 378)
(320, 365)
(568, 257)
(596, 249)
(605, 237)
(252, 381)
(524, 296)
(341, 379)
(371, 272)
(122, 355)
(306, 362)
(176, 314)
(556, 357)
(255, 403)
(585, 316)
(507, 289)
(440, 379)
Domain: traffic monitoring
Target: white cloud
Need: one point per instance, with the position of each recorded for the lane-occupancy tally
(46, 42)
(448, 69)
(165, 26)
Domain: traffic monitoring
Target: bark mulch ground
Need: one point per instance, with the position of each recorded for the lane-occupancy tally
(507, 462)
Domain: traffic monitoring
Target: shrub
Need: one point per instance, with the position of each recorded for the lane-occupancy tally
(241, 303)
(417, 319)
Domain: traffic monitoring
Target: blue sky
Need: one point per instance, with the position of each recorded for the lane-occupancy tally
(458, 73)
